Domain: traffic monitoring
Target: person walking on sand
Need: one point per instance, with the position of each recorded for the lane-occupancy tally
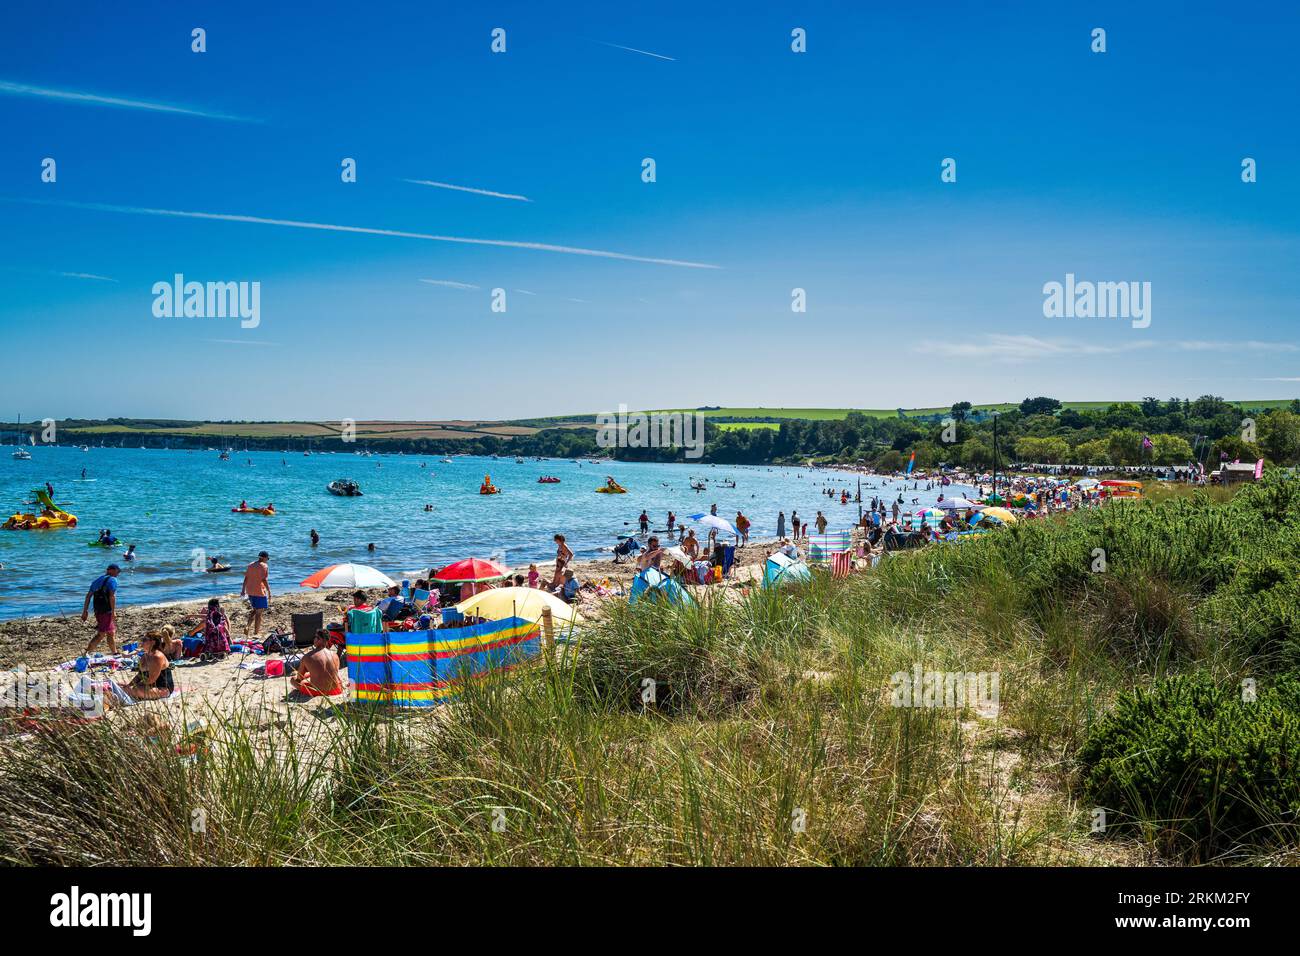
(257, 587)
(563, 555)
(780, 524)
(103, 591)
(794, 525)
(821, 523)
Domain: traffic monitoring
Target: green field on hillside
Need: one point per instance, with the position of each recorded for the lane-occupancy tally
(831, 414)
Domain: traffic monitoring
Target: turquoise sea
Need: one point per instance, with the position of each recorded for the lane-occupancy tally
(175, 506)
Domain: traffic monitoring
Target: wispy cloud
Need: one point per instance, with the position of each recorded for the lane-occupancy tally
(525, 292)
(467, 189)
(449, 283)
(1024, 348)
(1244, 345)
(8, 88)
(363, 230)
(85, 275)
(239, 342)
(1280, 378)
(631, 49)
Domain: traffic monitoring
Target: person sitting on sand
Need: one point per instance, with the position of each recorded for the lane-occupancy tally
(153, 681)
(652, 556)
(171, 645)
(569, 592)
(533, 575)
(318, 671)
(391, 606)
(216, 632)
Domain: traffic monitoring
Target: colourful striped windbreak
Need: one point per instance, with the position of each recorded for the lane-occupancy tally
(822, 546)
(426, 668)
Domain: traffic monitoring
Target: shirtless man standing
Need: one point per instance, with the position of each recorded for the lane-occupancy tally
(318, 671)
(257, 587)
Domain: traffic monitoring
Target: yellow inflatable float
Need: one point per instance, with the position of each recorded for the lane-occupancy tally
(51, 516)
(487, 488)
(611, 487)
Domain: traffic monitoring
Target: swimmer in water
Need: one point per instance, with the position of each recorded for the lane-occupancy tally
(130, 553)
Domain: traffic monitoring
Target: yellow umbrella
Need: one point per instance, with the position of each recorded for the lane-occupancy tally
(1001, 513)
(528, 603)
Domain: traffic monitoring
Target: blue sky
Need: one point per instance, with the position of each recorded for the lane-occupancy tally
(818, 170)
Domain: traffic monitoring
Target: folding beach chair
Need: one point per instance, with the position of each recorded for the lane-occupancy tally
(305, 627)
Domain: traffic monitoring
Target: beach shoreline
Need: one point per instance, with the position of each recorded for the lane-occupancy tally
(46, 640)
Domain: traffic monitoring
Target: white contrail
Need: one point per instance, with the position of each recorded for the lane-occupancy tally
(85, 275)
(467, 189)
(94, 99)
(366, 230)
(631, 49)
(449, 284)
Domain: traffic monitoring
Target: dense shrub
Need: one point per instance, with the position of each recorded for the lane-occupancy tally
(1196, 767)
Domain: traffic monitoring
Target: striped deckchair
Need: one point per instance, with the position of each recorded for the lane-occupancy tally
(426, 668)
(841, 564)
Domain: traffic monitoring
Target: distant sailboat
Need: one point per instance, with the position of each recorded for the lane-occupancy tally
(21, 453)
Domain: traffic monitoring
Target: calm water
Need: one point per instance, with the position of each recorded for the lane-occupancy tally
(169, 503)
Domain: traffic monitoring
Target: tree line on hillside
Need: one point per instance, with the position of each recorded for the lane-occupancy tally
(1041, 430)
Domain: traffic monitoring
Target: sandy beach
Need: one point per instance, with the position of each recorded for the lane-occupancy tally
(236, 689)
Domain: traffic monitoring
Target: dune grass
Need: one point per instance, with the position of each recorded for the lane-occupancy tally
(754, 731)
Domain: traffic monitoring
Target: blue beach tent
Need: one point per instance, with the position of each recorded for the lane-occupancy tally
(653, 583)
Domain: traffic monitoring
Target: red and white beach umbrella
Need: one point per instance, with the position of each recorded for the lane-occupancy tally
(470, 571)
(348, 576)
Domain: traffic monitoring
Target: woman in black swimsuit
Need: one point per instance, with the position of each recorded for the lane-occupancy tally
(154, 679)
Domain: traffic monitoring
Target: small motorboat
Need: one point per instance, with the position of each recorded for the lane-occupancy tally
(344, 488)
